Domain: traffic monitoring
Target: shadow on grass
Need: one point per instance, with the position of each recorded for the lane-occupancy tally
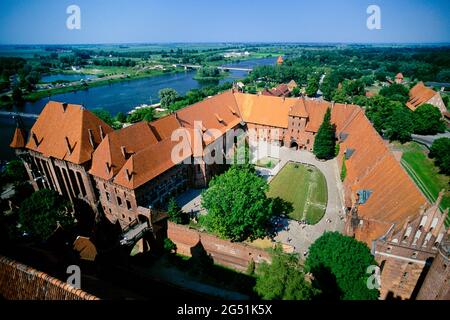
(201, 267)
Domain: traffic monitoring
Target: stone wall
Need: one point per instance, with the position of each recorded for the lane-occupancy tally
(227, 253)
(20, 282)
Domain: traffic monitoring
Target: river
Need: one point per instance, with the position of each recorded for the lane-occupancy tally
(120, 96)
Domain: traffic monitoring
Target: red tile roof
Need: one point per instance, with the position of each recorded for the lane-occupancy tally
(373, 167)
(18, 140)
(316, 110)
(299, 109)
(150, 154)
(148, 164)
(280, 60)
(118, 146)
(70, 134)
(418, 95)
(265, 110)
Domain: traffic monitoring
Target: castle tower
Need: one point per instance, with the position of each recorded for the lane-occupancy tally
(406, 252)
(280, 60)
(437, 282)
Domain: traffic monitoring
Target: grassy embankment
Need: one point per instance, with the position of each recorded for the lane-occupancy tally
(425, 174)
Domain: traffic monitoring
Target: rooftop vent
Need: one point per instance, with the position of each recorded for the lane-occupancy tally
(343, 136)
(232, 110)
(35, 139)
(218, 118)
(125, 153)
(363, 195)
(91, 138)
(102, 134)
(348, 153)
(108, 167)
(69, 148)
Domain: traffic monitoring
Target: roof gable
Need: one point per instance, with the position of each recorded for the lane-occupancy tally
(67, 132)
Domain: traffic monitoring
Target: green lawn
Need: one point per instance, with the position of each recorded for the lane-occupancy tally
(424, 173)
(305, 187)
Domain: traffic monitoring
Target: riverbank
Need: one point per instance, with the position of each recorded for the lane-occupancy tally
(34, 96)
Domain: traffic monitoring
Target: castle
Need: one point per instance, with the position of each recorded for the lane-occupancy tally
(128, 174)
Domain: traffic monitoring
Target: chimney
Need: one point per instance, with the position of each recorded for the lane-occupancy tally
(102, 134)
(91, 138)
(64, 105)
(69, 149)
(332, 104)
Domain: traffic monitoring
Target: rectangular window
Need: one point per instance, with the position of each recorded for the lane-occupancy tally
(119, 201)
(128, 205)
(108, 197)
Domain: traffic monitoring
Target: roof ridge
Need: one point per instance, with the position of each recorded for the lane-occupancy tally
(352, 117)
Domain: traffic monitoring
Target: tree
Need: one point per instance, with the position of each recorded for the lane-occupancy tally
(353, 88)
(339, 96)
(427, 120)
(16, 171)
(339, 265)
(396, 92)
(283, 279)
(325, 141)
(313, 86)
(295, 92)
(121, 117)
(237, 205)
(104, 115)
(17, 95)
(167, 97)
(399, 125)
(40, 214)
(147, 114)
(175, 213)
(440, 152)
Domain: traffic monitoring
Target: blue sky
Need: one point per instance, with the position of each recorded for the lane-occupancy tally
(120, 21)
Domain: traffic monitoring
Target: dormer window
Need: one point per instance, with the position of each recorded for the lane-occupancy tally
(128, 174)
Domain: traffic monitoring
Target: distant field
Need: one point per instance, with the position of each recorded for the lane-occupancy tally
(305, 187)
(424, 173)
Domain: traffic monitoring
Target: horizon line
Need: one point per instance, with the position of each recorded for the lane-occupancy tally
(230, 42)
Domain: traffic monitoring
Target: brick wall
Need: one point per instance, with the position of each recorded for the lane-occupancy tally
(436, 285)
(230, 254)
(20, 282)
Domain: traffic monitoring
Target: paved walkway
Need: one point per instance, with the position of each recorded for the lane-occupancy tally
(428, 140)
(301, 236)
